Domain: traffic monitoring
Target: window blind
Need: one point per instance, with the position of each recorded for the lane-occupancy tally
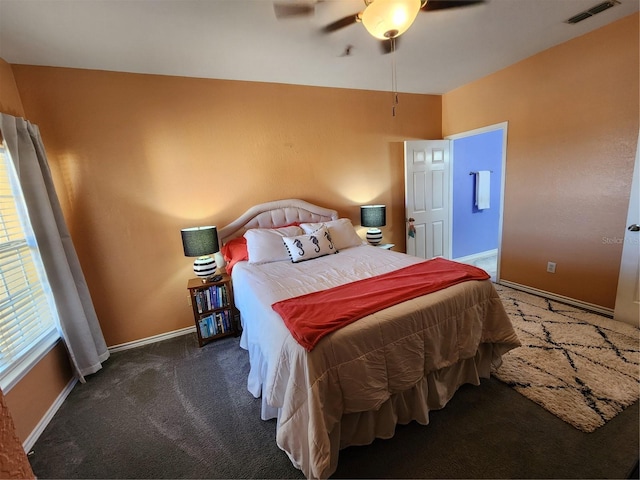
(28, 317)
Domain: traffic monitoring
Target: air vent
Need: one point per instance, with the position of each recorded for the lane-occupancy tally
(601, 7)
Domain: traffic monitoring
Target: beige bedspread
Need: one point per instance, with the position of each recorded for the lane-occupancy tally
(394, 365)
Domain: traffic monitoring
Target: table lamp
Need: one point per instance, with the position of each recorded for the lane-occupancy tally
(201, 242)
(373, 216)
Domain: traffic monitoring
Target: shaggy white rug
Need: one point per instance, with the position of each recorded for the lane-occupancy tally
(581, 366)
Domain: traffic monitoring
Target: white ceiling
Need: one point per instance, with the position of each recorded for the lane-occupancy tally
(243, 40)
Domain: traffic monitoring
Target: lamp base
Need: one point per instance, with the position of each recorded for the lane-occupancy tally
(204, 267)
(374, 236)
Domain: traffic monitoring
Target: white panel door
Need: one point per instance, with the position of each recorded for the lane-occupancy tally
(427, 171)
(627, 308)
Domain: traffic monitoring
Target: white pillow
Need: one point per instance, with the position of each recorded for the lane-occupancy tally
(306, 247)
(342, 232)
(265, 245)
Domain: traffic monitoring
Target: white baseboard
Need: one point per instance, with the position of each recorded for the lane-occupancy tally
(153, 339)
(560, 298)
(476, 256)
(30, 441)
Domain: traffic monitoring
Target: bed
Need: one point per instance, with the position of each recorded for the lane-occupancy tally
(356, 383)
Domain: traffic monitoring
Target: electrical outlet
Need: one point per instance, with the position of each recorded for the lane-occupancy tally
(188, 300)
(551, 267)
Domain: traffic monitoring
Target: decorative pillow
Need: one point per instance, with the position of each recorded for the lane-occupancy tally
(342, 232)
(234, 251)
(306, 247)
(265, 245)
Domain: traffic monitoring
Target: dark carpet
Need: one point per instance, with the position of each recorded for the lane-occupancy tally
(173, 410)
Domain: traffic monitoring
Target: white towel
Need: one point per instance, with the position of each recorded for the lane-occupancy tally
(483, 189)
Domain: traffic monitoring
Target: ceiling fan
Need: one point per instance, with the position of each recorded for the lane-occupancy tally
(383, 19)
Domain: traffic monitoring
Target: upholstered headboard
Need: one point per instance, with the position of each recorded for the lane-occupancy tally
(276, 214)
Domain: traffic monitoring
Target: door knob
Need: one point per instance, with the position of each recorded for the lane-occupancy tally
(634, 228)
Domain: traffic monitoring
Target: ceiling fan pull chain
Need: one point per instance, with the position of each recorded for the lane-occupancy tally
(394, 81)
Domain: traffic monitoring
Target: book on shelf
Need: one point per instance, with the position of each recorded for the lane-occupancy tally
(205, 327)
(215, 296)
(215, 324)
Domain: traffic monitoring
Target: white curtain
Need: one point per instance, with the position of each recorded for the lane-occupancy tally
(78, 320)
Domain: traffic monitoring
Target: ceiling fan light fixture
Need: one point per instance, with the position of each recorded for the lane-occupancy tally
(386, 19)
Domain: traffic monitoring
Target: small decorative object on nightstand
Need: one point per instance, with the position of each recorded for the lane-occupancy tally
(201, 242)
(214, 312)
(373, 216)
(387, 246)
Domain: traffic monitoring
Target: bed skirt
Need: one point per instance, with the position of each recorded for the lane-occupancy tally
(431, 393)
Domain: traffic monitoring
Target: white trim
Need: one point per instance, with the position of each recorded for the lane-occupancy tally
(44, 421)
(153, 339)
(452, 158)
(560, 298)
(476, 256)
(478, 131)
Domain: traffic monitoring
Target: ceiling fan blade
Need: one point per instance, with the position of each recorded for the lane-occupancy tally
(338, 24)
(290, 9)
(433, 5)
(387, 47)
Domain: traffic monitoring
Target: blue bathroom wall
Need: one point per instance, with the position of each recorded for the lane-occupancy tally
(474, 230)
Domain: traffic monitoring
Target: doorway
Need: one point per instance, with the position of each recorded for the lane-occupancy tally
(476, 230)
(442, 216)
(627, 306)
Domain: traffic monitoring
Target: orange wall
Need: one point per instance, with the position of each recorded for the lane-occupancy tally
(137, 157)
(573, 129)
(30, 399)
(10, 102)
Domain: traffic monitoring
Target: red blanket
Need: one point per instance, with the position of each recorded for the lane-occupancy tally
(312, 316)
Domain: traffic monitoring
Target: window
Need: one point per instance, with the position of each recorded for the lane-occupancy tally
(28, 317)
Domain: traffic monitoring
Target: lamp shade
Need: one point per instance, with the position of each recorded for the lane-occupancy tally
(201, 242)
(373, 215)
(390, 18)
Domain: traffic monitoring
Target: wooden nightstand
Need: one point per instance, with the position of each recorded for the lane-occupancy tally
(214, 312)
